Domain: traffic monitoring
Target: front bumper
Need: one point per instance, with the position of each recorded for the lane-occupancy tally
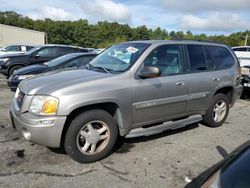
(12, 84)
(34, 130)
(3, 71)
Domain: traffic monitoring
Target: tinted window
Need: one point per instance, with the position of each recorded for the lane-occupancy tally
(48, 52)
(196, 58)
(80, 61)
(221, 56)
(167, 58)
(28, 48)
(63, 51)
(209, 60)
(240, 49)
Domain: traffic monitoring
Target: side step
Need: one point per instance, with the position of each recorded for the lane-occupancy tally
(169, 125)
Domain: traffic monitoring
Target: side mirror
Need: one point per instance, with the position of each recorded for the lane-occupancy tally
(150, 72)
(36, 56)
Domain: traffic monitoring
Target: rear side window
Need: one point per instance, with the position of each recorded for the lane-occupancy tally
(221, 56)
(196, 58)
(64, 51)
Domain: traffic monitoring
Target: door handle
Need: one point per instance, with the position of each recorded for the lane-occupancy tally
(216, 79)
(180, 83)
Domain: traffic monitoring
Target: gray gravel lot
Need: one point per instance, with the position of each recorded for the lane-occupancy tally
(162, 160)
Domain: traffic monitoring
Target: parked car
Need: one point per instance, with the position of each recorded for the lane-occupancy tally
(131, 89)
(40, 54)
(15, 49)
(74, 60)
(243, 54)
(232, 172)
(245, 80)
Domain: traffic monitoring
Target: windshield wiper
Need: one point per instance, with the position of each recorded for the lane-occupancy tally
(96, 67)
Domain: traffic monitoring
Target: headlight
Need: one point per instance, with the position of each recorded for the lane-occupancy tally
(23, 77)
(3, 60)
(213, 181)
(245, 71)
(44, 105)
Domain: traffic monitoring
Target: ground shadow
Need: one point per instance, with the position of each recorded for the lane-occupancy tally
(124, 145)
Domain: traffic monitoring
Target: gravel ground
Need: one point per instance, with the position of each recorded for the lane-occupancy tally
(163, 160)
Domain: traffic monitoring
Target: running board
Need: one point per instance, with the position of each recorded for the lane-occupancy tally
(169, 125)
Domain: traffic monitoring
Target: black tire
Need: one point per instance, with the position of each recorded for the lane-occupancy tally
(72, 137)
(208, 119)
(12, 69)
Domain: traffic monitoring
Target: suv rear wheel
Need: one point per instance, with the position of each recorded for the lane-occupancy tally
(91, 136)
(218, 111)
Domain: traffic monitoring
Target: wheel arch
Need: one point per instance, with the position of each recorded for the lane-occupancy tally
(228, 91)
(112, 108)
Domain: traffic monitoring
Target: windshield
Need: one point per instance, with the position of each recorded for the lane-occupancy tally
(119, 58)
(59, 60)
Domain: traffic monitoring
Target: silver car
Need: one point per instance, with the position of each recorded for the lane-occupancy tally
(131, 89)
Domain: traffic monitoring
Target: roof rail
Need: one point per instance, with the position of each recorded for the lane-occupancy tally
(208, 41)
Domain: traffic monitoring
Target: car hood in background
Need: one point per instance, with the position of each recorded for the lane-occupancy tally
(48, 83)
(32, 69)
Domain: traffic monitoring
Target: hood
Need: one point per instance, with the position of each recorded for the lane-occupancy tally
(51, 82)
(32, 69)
(13, 55)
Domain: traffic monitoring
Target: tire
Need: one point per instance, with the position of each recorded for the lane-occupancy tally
(12, 69)
(210, 119)
(80, 134)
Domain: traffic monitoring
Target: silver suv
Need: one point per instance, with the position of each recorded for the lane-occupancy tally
(131, 89)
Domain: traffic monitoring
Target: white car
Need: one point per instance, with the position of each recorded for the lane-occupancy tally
(15, 49)
(243, 54)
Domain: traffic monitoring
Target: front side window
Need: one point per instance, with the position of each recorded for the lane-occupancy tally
(167, 58)
(119, 58)
(221, 56)
(47, 52)
(196, 58)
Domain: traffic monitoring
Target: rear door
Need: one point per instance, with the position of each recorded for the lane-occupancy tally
(159, 99)
(199, 76)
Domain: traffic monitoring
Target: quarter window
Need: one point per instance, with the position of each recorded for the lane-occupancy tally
(167, 58)
(221, 56)
(196, 58)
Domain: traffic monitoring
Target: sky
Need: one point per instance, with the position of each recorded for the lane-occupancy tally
(199, 16)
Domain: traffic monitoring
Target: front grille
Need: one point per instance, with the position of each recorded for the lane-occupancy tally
(20, 98)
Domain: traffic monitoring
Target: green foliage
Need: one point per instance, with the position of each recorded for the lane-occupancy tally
(104, 34)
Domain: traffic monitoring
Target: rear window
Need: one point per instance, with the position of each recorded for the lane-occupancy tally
(196, 58)
(221, 56)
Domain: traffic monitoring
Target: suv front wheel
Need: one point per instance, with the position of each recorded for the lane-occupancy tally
(91, 136)
(218, 111)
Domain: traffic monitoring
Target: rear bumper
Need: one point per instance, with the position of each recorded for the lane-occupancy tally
(237, 93)
(36, 128)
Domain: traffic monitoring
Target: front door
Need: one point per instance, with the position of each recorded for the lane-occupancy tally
(158, 99)
(44, 55)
